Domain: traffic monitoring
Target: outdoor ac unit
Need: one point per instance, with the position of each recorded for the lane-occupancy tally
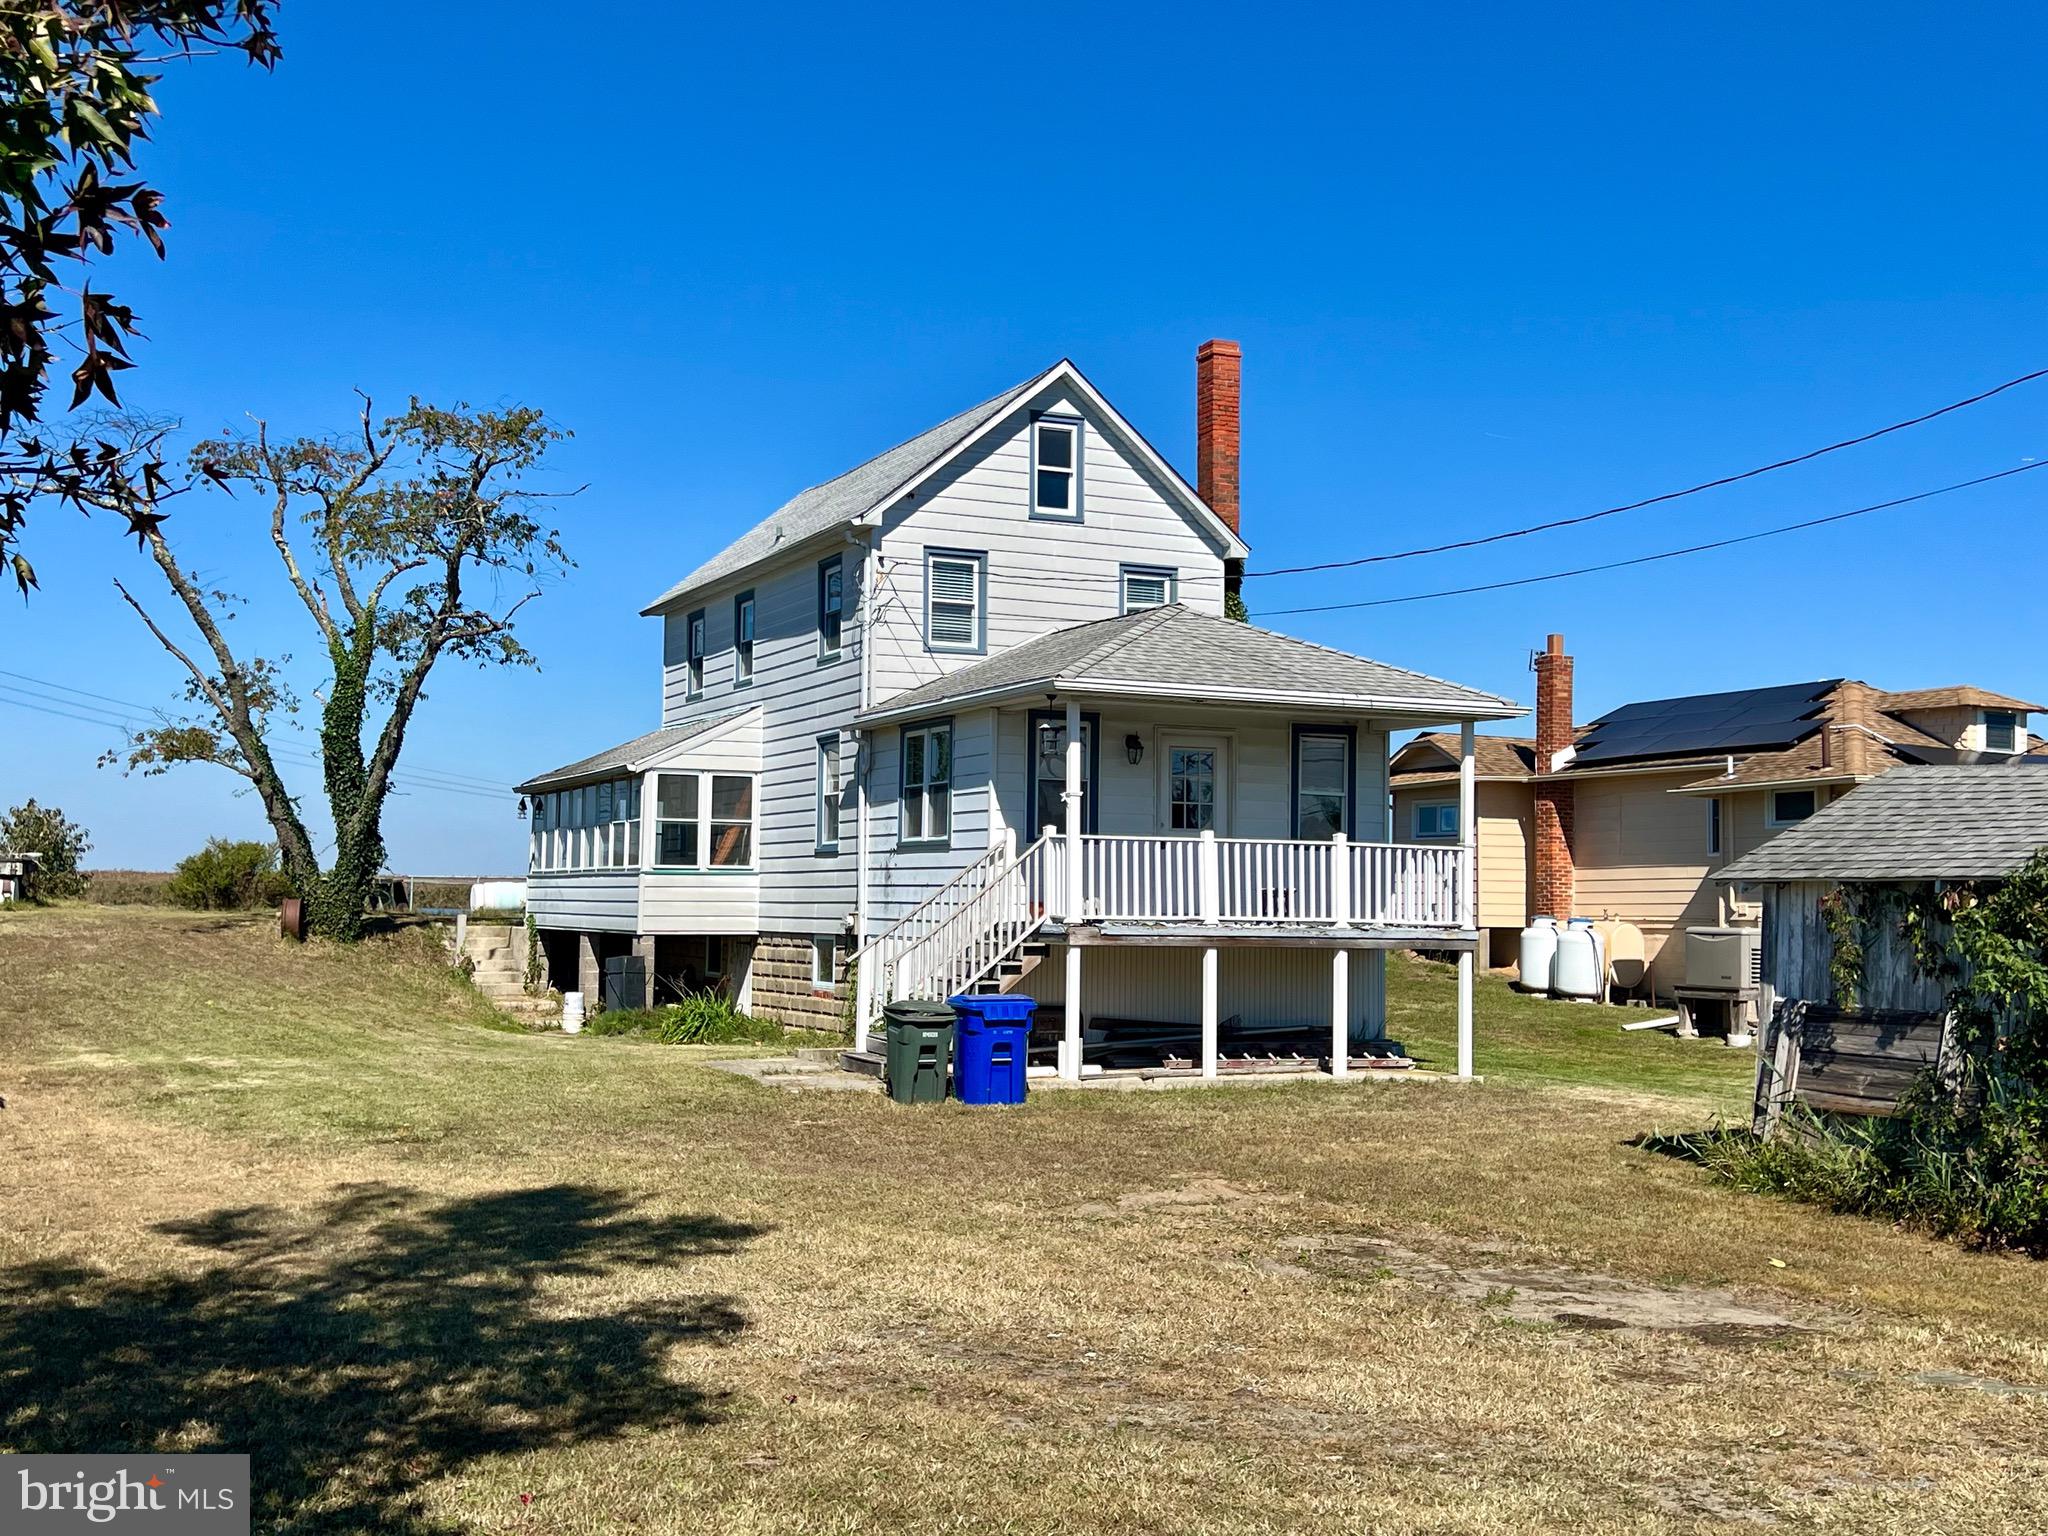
(1724, 959)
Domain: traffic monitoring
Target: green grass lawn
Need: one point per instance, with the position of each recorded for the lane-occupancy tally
(323, 1207)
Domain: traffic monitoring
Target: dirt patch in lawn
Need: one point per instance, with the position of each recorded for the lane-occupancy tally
(1197, 1194)
(1531, 1292)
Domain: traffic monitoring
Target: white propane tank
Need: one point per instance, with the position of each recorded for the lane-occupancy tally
(572, 1013)
(1577, 970)
(1539, 950)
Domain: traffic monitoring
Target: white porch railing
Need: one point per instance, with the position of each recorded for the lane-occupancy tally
(1275, 881)
(987, 912)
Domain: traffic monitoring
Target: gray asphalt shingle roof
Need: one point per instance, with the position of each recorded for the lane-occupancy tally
(1176, 650)
(845, 497)
(1914, 824)
(629, 754)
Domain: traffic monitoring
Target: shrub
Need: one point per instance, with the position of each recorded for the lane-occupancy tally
(60, 844)
(702, 1018)
(128, 887)
(227, 876)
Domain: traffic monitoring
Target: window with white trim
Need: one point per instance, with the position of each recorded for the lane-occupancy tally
(594, 826)
(828, 792)
(1056, 467)
(1792, 806)
(2001, 730)
(1322, 784)
(743, 640)
(1437, 819)
(927, 803)
(1147, 587)
(703, 820)
(697, 636)
(954, 590)
(831, 608)
(824, 964)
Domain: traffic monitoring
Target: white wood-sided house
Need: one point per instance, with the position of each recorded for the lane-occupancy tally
(971, 716)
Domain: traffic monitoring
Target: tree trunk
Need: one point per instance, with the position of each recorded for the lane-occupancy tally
(337, 903)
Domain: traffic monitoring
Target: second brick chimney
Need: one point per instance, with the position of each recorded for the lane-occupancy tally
(1218, 365)
(1555, 879)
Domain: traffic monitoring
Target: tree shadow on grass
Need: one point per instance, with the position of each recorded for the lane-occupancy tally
(376, 1344)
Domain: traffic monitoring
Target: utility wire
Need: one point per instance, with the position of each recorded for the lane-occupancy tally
(1649, 501)
(1669, 554)
(454, 779)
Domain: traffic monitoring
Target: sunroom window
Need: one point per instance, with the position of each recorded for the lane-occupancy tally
(704, 821)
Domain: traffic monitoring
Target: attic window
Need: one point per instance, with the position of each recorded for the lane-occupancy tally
(2001, 730)
(1056, 468)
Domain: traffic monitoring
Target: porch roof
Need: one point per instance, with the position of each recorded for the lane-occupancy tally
(1178, 654)
(630, 756)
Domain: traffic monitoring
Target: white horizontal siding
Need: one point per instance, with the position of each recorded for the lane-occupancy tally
(1260, 986)
(1042, 574)
(699, 901)
(598, 901)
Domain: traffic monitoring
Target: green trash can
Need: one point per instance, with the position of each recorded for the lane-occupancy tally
(920, 1050)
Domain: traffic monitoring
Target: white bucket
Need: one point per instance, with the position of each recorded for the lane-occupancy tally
(572, 1013)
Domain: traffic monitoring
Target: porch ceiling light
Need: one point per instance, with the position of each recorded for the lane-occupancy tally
(1134, 748)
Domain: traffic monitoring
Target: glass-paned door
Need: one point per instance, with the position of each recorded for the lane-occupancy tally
(1049, 774)
(1194, 790)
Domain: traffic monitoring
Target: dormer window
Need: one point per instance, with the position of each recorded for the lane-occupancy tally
(1056, 467)
(2001, 730)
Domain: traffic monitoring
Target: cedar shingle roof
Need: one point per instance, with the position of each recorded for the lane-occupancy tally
(1915, 823)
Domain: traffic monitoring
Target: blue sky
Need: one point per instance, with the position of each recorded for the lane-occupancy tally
(1489, 267)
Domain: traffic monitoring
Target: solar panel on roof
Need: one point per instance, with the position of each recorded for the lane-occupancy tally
(1743, 719)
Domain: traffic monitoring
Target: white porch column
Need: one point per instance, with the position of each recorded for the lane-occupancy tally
(1340, 880)
(1340, 1011)
(1070, 1053)
(1209, 1009)
(1468, 906)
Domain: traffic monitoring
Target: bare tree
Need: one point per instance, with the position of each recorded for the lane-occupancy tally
(402, 519)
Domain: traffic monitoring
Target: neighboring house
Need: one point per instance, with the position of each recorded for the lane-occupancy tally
(18, 875)
(1631, 816)
(973, 707)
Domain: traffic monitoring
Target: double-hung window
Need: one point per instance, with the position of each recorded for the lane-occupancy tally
(955, 593)
(1436, 820)
(1322, 784)
(743, 640)
(828, 794)
(676, 844)
(1056, 467)
(831, 608)
(927, 804)
(695, 629)
(1146, 587)
(703, 820)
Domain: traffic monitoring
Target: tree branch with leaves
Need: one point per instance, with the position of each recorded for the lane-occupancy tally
(401, 520)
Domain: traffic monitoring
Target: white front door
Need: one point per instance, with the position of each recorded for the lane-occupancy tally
(1194, 784)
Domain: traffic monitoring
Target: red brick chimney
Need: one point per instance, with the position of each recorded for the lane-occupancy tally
(1554, 894)
(1217, 366)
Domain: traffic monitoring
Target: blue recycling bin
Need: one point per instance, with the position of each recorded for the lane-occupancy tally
(990, 1039)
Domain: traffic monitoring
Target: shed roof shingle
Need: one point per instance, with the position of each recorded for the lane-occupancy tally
(629, 754)
(1174, 650)
(1914, 823)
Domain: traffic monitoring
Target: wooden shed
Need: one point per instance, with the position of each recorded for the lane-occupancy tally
(1909, 833)
(17, 875)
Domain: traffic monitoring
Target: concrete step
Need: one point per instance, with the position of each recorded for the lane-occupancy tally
(869, 1062)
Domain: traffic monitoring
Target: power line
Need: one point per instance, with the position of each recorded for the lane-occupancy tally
(1669, 554)
(421, 771)
(401, 779)
(1651, 501)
